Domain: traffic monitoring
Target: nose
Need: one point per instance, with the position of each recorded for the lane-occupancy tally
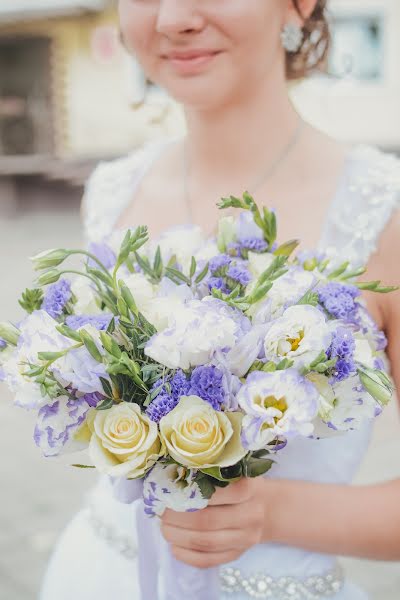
(179, 16)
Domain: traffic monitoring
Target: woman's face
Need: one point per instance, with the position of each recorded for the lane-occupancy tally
(206, 53)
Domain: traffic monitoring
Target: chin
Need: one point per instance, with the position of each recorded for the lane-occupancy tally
(200, 95)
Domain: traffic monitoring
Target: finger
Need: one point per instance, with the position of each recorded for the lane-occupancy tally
(203, 541)
(234, 493)
(211, 518)
(204, 560)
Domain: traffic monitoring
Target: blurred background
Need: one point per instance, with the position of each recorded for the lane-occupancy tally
(69, 97)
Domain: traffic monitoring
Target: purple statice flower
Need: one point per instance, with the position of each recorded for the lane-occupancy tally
(239, 274)
(343, 369)
(3, 343)
(254, 244)
(339, 299)
(180, 385)
(234, 249)
(161, 406)
(103, 253)
(218, 283)
(219, 264)
(342, 348)
(57, 296)
(100, 322)
(207, 383)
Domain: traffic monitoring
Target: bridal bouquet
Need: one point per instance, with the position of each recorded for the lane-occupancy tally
(187, 363)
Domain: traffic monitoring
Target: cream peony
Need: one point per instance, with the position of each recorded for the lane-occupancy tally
(124, 442)
(199, 437)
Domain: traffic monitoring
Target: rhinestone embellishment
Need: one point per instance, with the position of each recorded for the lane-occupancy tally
(282, 588)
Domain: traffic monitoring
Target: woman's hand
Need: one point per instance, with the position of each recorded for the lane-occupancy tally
(235, 520)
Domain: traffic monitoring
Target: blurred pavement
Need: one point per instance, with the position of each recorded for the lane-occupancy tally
(39, 496)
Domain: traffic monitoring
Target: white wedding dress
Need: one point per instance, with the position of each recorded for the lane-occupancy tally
(95, 558)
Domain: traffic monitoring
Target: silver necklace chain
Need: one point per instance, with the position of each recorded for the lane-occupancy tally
(272, 168)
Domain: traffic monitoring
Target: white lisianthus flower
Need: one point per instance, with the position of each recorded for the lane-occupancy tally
(353, 405)
(197, 436)
(169, 301)
(38, 334)
(278, 404)
(285, 292)
(300, 334)
(363, 352)
(124, 442)
(171, 486)
(201, 327)
(86, 298)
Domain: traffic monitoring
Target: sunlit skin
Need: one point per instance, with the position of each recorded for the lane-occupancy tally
(238, 116)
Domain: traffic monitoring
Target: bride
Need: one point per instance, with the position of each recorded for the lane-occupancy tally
(228, 63)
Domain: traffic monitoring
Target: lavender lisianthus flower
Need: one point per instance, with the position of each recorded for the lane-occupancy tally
(59, 421)
(247, 228)
(339, 299)
(161, 406)
(80, 370)
(207, 383)
(99, 322)
(57, 296)
(103, 253)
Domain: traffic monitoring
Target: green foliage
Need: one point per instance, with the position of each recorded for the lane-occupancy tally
(31, 300)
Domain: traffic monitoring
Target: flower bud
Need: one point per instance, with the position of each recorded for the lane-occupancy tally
(49, 258)
(48, 277)
(377, 383)
(9, 333)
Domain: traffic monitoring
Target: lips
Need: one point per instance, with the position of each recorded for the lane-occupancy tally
(190, 54)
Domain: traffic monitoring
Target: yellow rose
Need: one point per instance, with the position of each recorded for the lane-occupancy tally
(124, 442)
(198, 436)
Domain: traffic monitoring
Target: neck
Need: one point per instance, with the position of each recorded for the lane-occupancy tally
(242, 137)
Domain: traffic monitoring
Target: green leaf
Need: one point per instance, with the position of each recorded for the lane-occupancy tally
(340, 270)
(287, 248)
(99, 274)
(207, 488)
(128, 297)
(90, 345)
(177, 275)
(310, 297)
(106, 387)
(69, 333)
(158, 263)
(110, 345)
(31, 300)
(50, 355)
(83, 466)
(193, 266)
(258, 466)
(106, 404)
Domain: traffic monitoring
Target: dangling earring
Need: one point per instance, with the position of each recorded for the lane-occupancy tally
(292, 37)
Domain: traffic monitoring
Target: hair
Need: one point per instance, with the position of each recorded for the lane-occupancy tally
(312, 55)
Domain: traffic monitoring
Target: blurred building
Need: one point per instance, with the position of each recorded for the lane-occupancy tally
(70, 94)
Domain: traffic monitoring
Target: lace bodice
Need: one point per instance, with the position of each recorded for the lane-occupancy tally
(367, 195)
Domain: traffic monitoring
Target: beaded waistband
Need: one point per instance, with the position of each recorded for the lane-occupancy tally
(261, 585)
(232, 581)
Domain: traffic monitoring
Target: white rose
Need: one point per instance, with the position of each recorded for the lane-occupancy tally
(125, 442)
(198, 436)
